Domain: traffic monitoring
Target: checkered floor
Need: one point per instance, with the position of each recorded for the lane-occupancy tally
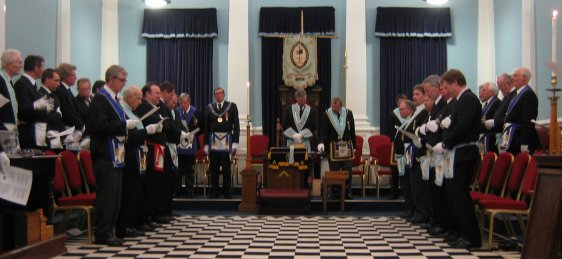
(281, 237)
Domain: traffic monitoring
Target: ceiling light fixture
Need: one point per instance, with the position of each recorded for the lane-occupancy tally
(156, 3)
(436, 2)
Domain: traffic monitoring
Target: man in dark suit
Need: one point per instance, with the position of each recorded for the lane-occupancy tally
(191, 120)
(299, 121)
(505, 84)
(487, 93)
(460, 144)
(519, 130)
(51, 81)
(83, 99)
(222, 130)
(135, 165)
(31, 108)
(337, 132)
(109, 129)
(11, 66)
(69, 107)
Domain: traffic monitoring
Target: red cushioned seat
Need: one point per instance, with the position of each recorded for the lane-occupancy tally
(88, 199)
(503, 203)
(476, 196)
(284, 193)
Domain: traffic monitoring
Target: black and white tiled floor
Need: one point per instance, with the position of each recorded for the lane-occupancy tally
(281, 237)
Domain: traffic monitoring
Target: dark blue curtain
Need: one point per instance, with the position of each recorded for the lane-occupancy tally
(412, 46)
(286, 21)
(180, 50)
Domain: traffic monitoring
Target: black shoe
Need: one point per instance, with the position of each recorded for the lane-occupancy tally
(144, 228)
(406, 215)
(465, 244)
(451, 238)
(437, 231)
(128, 232)
(426, 225)
(154, 225)
(418, 219)
(162, 220)
(109, 241)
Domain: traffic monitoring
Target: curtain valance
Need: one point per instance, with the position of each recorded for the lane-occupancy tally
(180, 23)
(276, 21)
(413, 22)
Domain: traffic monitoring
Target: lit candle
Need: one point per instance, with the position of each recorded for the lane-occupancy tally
(248, 90)
(554, 21)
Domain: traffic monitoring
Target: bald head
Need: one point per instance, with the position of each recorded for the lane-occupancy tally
(132, 96)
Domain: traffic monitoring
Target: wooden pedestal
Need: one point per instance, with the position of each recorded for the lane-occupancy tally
(249, 180)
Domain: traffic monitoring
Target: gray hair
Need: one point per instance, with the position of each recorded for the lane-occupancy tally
(336, 99)
(9, 56)
(433, 80)
(507, 77)
(184, 96)
(525, 72)
(130, 90)
(300, 93)
(491, 86)
(410, 104)
(113, 72)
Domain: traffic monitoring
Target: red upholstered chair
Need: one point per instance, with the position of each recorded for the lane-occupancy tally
(72, 172)
(484, 172)
(201, 164)
(498, 179)
(376, 140)
(360, 165)
(383, 162)
(259, 149)
(519, 206)
(67, 202)
(87, 169)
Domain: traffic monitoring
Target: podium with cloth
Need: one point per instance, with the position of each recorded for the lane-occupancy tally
(286, 176)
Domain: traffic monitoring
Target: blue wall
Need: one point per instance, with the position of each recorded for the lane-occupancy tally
(39, 37)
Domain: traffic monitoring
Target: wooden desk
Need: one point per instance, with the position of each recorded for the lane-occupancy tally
(333, 182)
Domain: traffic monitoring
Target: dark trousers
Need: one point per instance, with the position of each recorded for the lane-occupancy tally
(167, 188)
(186, 170)
(108, 196)
(440, 213)
(218, 160)
(132, 196)
(407, 191)
(420, 191)
(343, 166)
(394, 180)
(463, 217)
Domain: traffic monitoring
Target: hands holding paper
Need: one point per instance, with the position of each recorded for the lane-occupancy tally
(320, 148)
(489, 124)
(131, 124)
(43, 104)
(432, 126)
(4, 162)
(446, 123)
(297, 137)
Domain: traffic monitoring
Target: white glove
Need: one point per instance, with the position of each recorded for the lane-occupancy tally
(160, 127)
(42, 104)
(417, 143)
(131, 124)
(51, 134)
(206, 149)
(151, 129)
(183, 136)
(69, 138)
(190, 136)
(439, 148)
(489, 124)
(445, 123)
(77, 135)
(234, 146)
(320, 148)
(432, 126)
(4, 162)
(297, 138)
(423, 129)
(85, 144)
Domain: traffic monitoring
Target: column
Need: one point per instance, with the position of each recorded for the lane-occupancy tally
(109, 35)
(239, 66)
(63, 32)
(356, 45)
(486, 53)
(528, 49)
(2, 25)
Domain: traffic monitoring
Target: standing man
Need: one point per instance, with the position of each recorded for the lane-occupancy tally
(191, 122)
(69, 107)
(83, 98)
(505, 84)
(51, 81)
(11, 66)
(460, 145)
(31, 108)
(222, 131)
(109, 130)
(487, 93)
(135, 165)
(519, 134)
(337, 131)
(299, 121)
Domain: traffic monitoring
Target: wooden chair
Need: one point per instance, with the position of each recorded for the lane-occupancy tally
(383, 163)
(484, 171)
(360, 165)
(87, 169)
(498, 179)
(259, 148)
(374, 141)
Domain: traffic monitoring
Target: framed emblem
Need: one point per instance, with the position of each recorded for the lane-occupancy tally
(299, 55)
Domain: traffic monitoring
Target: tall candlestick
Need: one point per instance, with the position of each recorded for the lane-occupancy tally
(248, 91)
(554, 21)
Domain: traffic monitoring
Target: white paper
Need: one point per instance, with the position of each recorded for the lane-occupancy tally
(15, 185)
(412, 136)
(64, 133)
(149, 113)
(3, 101)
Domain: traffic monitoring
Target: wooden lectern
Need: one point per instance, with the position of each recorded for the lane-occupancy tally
(544, 230)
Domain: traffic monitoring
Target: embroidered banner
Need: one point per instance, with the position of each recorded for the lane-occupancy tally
(299, 61)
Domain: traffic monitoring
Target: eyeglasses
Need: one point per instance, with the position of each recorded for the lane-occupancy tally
(56, 79)
(123, 80)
